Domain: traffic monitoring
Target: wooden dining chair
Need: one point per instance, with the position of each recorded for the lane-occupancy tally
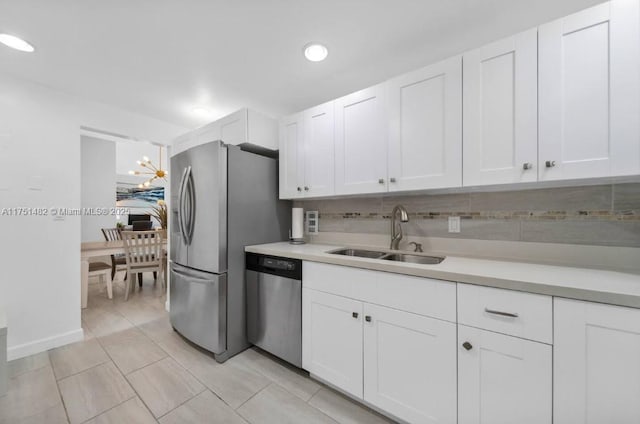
(143, 226)
(118, 262)
(101, 270)
(143, 253)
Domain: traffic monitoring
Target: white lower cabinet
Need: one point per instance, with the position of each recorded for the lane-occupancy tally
(497, 362)
(332, 339)
(407, 368)
(410, 365)
(503, 379)
(596, 363)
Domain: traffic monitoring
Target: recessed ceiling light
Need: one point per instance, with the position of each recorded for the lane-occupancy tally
(315, 52)
(201, 111)
(16, 43)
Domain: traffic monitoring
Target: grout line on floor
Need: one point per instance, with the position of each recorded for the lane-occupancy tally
(64, 405)
(320, 387)
(186, 401)
(136, 394)
(252, 396)
(107, 410)
(80, 372)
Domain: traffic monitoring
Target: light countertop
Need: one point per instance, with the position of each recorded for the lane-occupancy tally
(616, 288)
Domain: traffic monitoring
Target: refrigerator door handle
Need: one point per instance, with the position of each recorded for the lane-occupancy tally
(181, 199)
(191, 276)
(192, 206)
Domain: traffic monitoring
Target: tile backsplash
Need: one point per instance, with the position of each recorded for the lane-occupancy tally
(605, 215)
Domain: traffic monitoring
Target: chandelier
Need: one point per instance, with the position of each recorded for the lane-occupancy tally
(151, 170)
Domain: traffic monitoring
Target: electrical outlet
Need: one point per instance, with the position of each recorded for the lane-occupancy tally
(454, 224)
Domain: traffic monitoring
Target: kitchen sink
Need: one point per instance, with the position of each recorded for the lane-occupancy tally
(396, 257)
(414, 259)
(360, 253)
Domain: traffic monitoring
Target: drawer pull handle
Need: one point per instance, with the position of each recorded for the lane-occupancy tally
(354, 314)
(503, 314)
(467, 345)
(367, 318)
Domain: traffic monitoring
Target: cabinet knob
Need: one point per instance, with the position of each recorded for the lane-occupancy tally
(299, 189)
(381, 181)
(550, 163)
(467, 345)
(527, 165)
(392, 180)
(306, 188)
(367, 318)
(354, 314)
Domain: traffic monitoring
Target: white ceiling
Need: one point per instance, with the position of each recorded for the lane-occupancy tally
(163, 57)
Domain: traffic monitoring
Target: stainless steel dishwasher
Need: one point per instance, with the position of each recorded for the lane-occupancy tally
(274, 305)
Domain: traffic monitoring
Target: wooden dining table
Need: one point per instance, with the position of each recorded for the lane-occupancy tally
(93, 249)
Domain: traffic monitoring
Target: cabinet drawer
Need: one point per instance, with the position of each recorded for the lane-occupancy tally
(424, 296)
(519, 314)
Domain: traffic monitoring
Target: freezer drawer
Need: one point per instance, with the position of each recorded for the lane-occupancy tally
(274, 315)
(199, 307)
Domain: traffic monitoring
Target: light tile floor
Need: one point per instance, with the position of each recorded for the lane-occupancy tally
(133, 368)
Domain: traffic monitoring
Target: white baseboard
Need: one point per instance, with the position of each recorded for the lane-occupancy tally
(42, 345)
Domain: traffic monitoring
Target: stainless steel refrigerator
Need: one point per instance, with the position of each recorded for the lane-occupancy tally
(222, 199)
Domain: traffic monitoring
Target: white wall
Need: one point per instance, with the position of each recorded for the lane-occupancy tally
(40, 167)
(98, 185)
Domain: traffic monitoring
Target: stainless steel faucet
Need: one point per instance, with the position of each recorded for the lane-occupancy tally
(396, 228)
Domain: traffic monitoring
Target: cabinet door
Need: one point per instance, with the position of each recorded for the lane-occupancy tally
(425, 128)
(500, 111)
(233, 128)
(410, 365)
(291, 165)
(207, 134)
(318, 150)
(361, 142)
(502, 379)
(589, 93)
(596, 363)
(332, 339)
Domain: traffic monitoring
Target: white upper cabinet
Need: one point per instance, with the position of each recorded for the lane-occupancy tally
(291, 166)
(557, 102)
(233, 128)
(596, 363)
(361, 142)
(319, 150)
(242, 126)
(589, 93)
(410, 365)
(425, 128)
(500, 111)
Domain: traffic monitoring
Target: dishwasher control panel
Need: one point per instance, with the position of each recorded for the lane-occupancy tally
(277, 263)
(284, 267)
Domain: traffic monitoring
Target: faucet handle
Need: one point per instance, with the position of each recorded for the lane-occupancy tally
(418, 246)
